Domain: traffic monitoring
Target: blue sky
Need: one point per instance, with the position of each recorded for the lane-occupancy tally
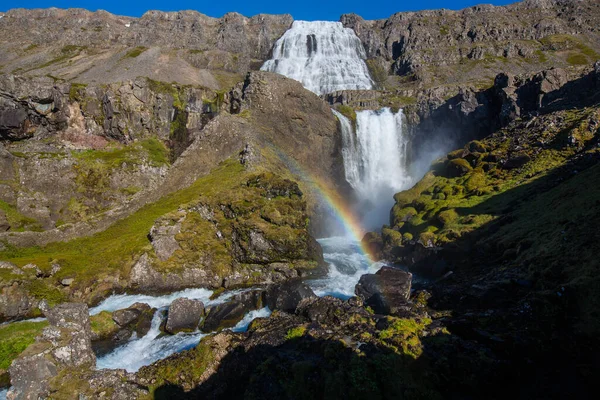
(300, 9)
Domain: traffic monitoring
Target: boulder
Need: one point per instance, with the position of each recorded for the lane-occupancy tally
(287, 295)
(228, 314)
(65, 343)
(139, 314)
(184, 315)
(163, 240)
(386, 291)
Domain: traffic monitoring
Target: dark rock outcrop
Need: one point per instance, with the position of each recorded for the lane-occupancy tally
(387, 291)
(184, 315)
(286, 296)
(228, 314)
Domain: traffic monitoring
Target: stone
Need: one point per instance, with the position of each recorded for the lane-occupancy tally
(125, 317)
(184, 315)
(386, 291)
(228, 314)
(65, 343)
(287, 295)
(67, 281)
(163, 240)
(516, 161)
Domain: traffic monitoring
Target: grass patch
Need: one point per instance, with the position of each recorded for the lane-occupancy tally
(347, 112)
(295, 332)
(133, 53)
(16, 220)
(103, 325)
(15, 338)
(577, 59)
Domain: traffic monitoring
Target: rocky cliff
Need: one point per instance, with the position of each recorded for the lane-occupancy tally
(77, 44)
(448, 47)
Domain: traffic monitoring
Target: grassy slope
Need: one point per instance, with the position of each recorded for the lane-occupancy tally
(115, 249)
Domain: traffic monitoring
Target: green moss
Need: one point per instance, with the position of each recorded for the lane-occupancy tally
(158, 153)
(103, 325)
(15, 338)
(133, 53)
(186, 370)
(45, 290)
(347, 112)
(16, 220)
(403, 334)
(295, 332)
(376, 70)
(75, 91)
(577, 59)
(217, 293)
(542, 57)
(448, 217)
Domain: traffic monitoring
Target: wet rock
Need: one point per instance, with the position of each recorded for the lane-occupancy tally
(386, 291)
(228, 314)
(184, 315)
(131, 314)
(286, 296)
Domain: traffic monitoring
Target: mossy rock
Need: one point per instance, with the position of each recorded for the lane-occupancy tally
(391, 237)
(458, 167)
(447, 217)
(427, 238)
(476, 181)
(455, 154)
(402, 214)
(476, 146)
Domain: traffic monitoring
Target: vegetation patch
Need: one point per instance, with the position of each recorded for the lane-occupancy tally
(133, 53)
(15, 338)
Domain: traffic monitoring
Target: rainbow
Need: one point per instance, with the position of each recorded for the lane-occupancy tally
(342, 212)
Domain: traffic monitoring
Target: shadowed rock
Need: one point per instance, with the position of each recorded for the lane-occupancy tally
(286, 296)
(385, 291)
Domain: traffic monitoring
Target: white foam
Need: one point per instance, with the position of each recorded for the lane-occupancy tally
(347, 263)
(242, 326)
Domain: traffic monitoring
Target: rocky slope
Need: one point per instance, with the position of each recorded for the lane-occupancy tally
(444, 46)
(100, 47)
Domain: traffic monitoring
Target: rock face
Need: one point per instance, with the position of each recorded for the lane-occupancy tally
(386, 291)
(184, 45)
(184, 315)
(228, 314)
(286, 296)
(66, 343)
(438, 45)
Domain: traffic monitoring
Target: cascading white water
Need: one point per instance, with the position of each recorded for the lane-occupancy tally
(374, 160)
(323, 55)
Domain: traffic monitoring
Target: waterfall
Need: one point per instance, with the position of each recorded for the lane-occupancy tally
(374, 161)
(323, 55)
